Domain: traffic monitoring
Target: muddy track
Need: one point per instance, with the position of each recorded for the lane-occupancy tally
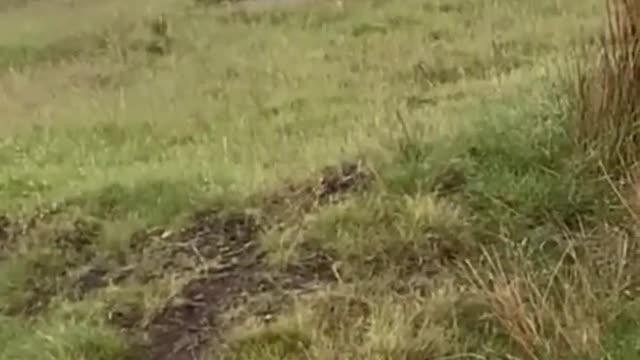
(235, 269)
(219, 252)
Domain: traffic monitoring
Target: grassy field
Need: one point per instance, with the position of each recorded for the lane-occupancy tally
(306, 180)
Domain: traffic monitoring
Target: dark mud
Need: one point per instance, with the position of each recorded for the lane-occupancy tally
(219, 250)
(234, 269)
(183, 329)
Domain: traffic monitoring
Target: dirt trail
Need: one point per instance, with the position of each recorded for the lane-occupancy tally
(191, 323)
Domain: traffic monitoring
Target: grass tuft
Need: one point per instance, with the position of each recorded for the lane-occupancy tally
(559, 307)
(361, 322)
(606, 110)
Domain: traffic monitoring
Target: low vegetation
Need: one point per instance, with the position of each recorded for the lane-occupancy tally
(425, 179)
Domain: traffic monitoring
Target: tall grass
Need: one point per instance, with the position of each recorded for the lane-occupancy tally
(607, 113)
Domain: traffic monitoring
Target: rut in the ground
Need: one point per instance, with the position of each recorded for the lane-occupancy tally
(190, 324)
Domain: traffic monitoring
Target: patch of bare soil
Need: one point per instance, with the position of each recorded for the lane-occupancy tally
(184, 327)
(233, 268)
(219, 251)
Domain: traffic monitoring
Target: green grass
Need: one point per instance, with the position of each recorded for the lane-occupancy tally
(454, 104)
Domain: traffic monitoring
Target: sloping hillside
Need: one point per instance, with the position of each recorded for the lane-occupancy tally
(305, 180)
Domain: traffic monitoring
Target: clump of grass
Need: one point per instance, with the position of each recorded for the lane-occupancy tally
(379, 233)
(354, 322)
(59, 338)
(558, 309)
(607, 114)
(40, 258)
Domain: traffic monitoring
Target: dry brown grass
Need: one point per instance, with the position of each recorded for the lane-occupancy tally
(607, 112)
(558, 311)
